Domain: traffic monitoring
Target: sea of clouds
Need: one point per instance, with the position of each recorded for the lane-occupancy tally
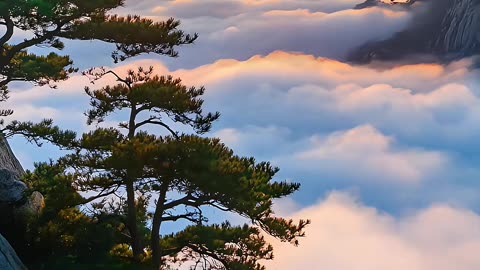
(386, 153)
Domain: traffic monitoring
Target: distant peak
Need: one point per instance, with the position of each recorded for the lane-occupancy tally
(447, 30)
(370, 3)
(393, 2)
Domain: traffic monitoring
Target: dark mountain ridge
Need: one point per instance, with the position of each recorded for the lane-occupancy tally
(446, 29)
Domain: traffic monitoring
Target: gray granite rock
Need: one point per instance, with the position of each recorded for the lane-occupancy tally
(15, 207)
(8, 258)
(11, 188)
(8, 160)
(32, 208)
(446, 30)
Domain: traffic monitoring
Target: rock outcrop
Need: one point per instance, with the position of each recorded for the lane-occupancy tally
(446, 29)
(8, 161)
(32, 208)
(8, 258)
(460, 29)
(17, 205)
(371, 3)
(12, 190)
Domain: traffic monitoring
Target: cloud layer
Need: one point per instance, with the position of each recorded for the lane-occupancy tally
(347, 235)
(328, 124)
(237, 29)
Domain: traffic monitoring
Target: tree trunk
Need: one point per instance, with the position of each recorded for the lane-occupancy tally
(156, 223)
(132, 222)
(131, 206)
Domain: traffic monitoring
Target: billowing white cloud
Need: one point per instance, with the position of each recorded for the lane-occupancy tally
(225, 9)
(330, 35)
(311, 95)
(368, 155)
(26, 112)
(263, 140)
(347, 235)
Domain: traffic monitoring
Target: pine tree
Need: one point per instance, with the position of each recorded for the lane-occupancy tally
(184, 172)
(48, 22)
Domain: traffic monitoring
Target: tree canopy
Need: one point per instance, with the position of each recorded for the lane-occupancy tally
(46, 23)
(183, 172)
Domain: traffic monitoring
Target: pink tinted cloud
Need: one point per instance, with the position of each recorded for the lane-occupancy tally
(347, 235)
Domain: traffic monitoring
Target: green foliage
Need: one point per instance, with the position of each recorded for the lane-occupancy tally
(39, 69)
(52, 21)
(219, 246)
(56, 187)
(64, 236)
(34, 131)
(160, 95)
(143, 35)
(210, 174)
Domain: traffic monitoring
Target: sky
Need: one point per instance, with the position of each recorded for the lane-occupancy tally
(386, 153)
